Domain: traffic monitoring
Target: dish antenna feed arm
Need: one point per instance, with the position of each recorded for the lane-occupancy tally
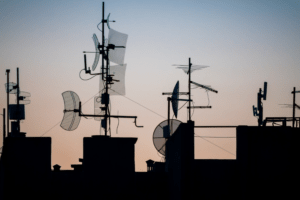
(113, 116)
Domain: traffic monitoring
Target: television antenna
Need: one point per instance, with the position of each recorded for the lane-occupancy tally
(161, 134)
(294, 105)
(189, 69)
(112, 79)
(258, 111)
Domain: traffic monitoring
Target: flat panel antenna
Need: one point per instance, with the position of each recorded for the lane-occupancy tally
(159, 139)
(265, 91)
(71, 117)
(117, 39)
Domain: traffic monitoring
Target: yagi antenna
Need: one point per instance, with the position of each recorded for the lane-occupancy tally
(189, 69)
(205, 87)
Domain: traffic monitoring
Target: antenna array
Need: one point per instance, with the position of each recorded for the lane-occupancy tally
(112, 80)
(258, 111)
(15, 111)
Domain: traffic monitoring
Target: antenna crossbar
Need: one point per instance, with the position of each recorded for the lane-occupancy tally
(179, 93)
(205, 87)
(199, 107)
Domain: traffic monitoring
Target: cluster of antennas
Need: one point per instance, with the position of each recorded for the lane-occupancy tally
(112, 81)
(258, 111)
(166, 128)
(12, 88)
(16, 111)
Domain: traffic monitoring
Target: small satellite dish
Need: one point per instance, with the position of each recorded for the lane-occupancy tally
(97, 54)
(174, 100)
(108, 21)
(159, 140)
(71, 117)
(11, 88)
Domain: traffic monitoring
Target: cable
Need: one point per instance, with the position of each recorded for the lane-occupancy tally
(85, 79)
(213, 137)
(139, 104)
(98, 26)
(207, 97)
(118, 124)
(215, 145)
(182, 106)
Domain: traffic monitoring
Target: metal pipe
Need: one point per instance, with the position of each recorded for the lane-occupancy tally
(7, 108)
(18, 99)
(190, 64)
(169, 99)
(294, 107)
(3, 126)
(103, 40)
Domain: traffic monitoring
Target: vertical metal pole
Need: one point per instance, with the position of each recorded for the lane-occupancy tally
(18, 99)
(103, 40)
(169, 99)
(294, 105)
(260, 109)
(106, 91)
(104, 78)
(7, 74)
(3, 127)
(190, 64)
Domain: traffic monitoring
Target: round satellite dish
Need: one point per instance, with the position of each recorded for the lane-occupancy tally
(159, 140)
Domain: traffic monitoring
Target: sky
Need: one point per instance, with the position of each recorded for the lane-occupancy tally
(245, 43)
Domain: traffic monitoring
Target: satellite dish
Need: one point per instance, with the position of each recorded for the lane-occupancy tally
(97, 55)
(11, 88)
(71, 117)
(174, 100)
(159, 140)
(108, 21)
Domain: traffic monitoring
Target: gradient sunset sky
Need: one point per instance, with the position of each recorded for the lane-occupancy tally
(245, 43)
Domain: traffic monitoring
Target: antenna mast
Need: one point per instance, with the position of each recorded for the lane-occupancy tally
(106, 77)
(7, 92)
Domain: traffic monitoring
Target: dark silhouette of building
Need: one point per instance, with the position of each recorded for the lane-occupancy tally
(265, 167)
